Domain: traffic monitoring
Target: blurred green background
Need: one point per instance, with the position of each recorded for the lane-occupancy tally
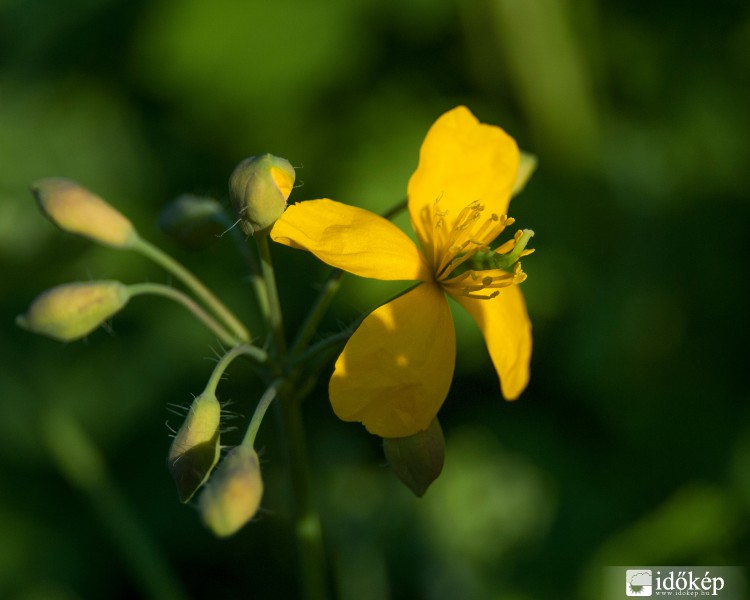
(631, 445)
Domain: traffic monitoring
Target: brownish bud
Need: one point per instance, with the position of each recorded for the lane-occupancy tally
(232, 495)
(77, 210)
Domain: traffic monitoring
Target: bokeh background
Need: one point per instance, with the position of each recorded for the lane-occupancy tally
(631, 445)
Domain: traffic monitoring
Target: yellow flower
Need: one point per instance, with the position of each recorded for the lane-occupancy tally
(396, 369)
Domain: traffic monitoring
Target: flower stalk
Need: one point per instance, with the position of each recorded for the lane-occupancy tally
(260, 411)
(158, 289)
(253, 268)
(169, 264)
(308, 530)
(276, 321)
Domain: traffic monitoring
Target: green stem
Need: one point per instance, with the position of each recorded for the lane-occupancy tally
(318, 352)
(260, 411)
(259, 285)
(395, 210)
(317, 312)
(191, 281)
(307, 527)
(257, 354)
(178, 296)
(272, 294)
(82, 464)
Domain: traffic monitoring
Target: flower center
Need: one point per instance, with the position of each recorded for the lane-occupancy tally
(464, 262)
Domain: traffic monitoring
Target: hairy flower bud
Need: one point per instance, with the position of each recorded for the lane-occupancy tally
(259, 188)
(232, 496)
(417, 460)
(70, 311)
(195, 449)
(194, 221)
(77, 210)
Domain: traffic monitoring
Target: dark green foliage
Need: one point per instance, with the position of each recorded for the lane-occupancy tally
(631, 444)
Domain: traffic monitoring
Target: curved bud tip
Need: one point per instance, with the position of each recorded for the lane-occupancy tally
(71, 311)
(232, 495)
(259, 187)
(77, 210)
(195, 449)
(417, 460)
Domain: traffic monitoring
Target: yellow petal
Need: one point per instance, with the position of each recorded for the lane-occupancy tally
(461, 160)
(352, 239)
(395, 371)
(507, 332)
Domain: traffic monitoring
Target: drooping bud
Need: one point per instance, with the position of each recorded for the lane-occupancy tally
(417, 460)
(77, 210)
(259, 187)
(195, 449)
(232, 496)
(194, 221)
(70, 311)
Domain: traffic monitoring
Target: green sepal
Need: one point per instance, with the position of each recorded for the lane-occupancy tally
(417, 460)
(195, 449)
(191, 469)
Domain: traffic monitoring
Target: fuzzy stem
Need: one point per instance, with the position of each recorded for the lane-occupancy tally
(257, 354)
(158, 289)
(260, 411)
(191, 281)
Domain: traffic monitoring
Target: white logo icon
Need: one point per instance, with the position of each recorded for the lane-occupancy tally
(637, 582)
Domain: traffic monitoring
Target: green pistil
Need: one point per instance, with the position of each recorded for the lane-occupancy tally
(485, 261)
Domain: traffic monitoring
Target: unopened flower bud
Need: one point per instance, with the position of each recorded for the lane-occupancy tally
(194, 221)
(195, 449)
(70, 311)
(77, 210)
(417, 460)
(232, 496)
(259, 188)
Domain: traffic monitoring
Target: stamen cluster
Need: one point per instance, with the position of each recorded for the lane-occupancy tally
(457, 246)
